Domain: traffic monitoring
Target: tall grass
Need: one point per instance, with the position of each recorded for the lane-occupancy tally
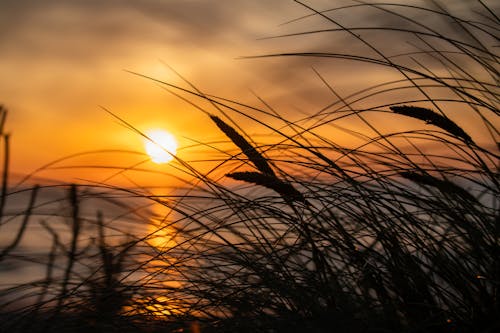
(399, 233)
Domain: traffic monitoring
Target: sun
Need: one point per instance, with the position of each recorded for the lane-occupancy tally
(160, 145)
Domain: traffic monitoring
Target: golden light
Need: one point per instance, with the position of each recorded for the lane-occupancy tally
(161, 147)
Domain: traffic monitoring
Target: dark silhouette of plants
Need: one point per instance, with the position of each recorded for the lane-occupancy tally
(398, 233)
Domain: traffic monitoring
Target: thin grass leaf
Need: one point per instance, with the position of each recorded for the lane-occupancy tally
(3, 116)
(6, 159)
(71, 257)
(19, 235)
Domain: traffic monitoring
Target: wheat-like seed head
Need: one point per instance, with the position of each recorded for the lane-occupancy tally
(253, 155)
(286, 190)
(433, 118)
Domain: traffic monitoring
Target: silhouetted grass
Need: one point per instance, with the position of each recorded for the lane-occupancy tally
(399, 233)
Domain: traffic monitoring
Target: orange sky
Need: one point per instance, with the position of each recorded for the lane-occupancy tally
(62, 60)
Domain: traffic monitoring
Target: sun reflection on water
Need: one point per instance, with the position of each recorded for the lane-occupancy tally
(162, 275)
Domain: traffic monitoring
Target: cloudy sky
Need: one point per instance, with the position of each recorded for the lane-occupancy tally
(62, 60)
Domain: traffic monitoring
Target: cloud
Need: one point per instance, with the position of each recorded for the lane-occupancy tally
(50, 26)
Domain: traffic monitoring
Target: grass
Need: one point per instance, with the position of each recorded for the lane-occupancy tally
(399, 233)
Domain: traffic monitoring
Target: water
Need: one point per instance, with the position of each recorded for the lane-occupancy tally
(44, 250)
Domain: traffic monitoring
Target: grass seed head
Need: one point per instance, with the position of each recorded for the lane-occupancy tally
(253, 155)
(286, 190)
(433, 118)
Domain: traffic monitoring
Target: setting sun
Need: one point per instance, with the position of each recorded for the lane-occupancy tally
(160, 145)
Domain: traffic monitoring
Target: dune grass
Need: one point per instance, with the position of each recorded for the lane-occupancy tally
(399, 233)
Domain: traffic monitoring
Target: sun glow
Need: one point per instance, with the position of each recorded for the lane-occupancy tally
(160, 145)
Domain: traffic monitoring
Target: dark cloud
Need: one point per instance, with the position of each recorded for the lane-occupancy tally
(55, 27)
(200, 21)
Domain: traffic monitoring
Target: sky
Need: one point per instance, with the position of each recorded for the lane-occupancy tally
(64, 62)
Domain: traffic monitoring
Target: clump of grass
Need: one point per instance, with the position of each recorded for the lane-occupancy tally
(369, 246)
